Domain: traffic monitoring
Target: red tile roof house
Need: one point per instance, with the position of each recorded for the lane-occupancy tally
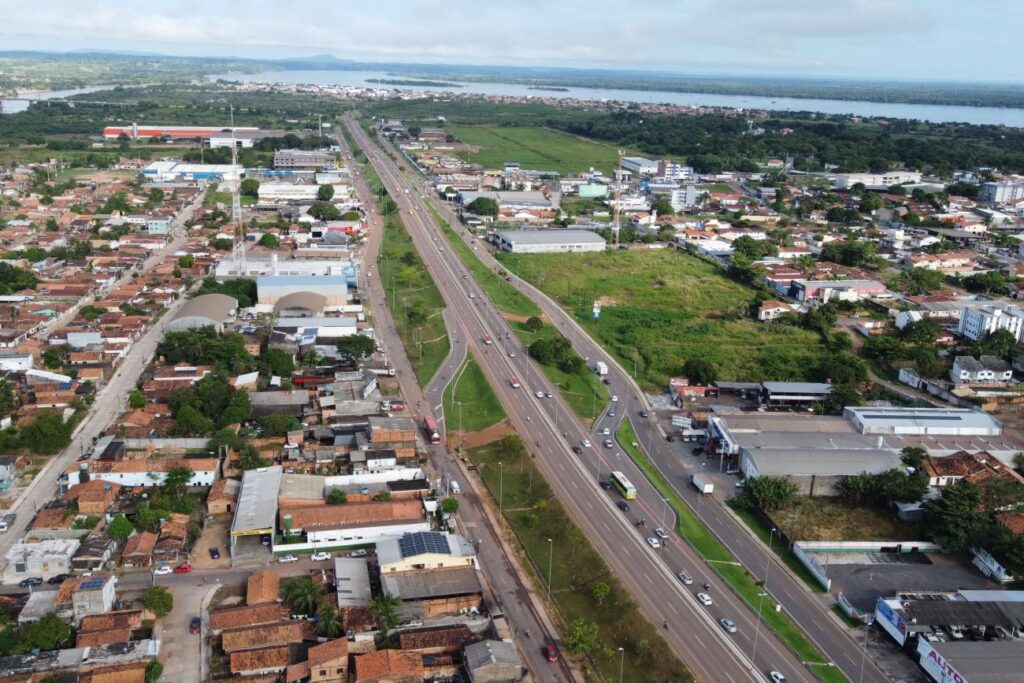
(389, 666)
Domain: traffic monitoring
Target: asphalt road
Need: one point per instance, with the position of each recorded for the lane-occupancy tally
(812, 612)
(693, 632)
(500, 569)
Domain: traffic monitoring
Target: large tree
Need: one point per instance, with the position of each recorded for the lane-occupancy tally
(952, 520)
(159, 601)
(176, 481)
(483, 206)
(325, 192)
(700, 372)
(770, 493)
(302, 594)
(355, 347)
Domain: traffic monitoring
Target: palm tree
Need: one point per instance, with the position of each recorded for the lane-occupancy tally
(384, 608)
(331, 623)
(301, 594)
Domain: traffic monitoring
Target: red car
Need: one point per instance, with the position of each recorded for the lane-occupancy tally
(183, 568)
(551, 653)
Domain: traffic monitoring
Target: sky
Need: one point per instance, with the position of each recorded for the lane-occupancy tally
(935, 40)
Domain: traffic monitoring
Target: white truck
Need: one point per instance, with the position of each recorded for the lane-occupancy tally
(702, 486)
(601, 368)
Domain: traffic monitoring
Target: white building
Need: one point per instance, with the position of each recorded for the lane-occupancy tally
(684, 197)
(287, 192)
(674, 170)
(640, 165)
(1001, 193)
(937, 422)
(975, 323)
(877, 181)
(984, 370)
(148, 472)
(13, 361)
(556, 241)
(43, 559)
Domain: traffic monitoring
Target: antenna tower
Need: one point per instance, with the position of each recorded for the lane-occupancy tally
(238, 248)
(618, 194)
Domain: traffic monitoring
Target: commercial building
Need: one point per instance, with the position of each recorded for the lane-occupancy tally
(923, 421)
(147, 472)
(272, 288)
(172, 170)
(136, 132)
(208, 310)
(640, 165)
(287, 192)
(510, 200)
(435, 592)
(877, 181)
(493, 661)
(975, 323)
(815, 472)
(352, 582)
(557, 241)
(300, 158)
(355, 523)
(427, 549)
(256, 511)
(673, 170)
(825, 291)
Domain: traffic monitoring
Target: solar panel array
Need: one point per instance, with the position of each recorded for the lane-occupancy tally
(423, 542)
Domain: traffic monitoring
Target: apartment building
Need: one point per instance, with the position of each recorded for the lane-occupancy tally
(975, 323)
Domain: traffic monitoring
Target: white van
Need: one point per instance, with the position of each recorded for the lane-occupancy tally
(453, 486)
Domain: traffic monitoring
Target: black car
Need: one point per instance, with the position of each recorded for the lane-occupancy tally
(606, 485)
(607, 381)
(577, 450)
(623, 505)
(31, 581)
(60, 578)
(643, 413)
(214, 554)
(699, 450)
(670, 438)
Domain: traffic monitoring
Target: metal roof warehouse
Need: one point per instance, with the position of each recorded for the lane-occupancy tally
(549, 241)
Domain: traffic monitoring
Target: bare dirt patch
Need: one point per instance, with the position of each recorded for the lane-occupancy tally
(482, 437)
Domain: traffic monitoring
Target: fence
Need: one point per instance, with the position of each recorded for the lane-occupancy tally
(812, 565)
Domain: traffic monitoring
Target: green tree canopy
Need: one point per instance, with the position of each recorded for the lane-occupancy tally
(47, 433)
(159, 601)
(355, 347)
(325, 192)
(323, 211)
(483, 206)
(279, 425)
(770, 493)
(582, 636)
(250, 187)
(119, 528)
(269, 240)
(136, 400)
(302, 594)
(337, 497)
(952, 520)
(700, 372)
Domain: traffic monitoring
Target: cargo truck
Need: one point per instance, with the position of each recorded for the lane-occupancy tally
(601, 368)
(702, 485)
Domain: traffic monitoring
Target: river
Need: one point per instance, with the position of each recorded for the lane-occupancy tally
(14, 106)
(937, 113)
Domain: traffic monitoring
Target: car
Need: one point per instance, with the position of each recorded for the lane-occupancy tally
(615, 399)
(606, 431)
(607, 381)
(60, 578)
(685, 578)
(30, 581)
(320, 557)
(608, 443)
(539, 394)
(670, 438)
(195, 625)
(184, 568)
(776, 677)
(163, 570)
(585, 443)
(623, 505)
(287, 559)
(606, 485)
(214, 553)
(728, 624)
(611, 413)
(699, 450)
(653, 542)
(473, 296)
(644, 413)
(704, 599)
(577, 450)
(361, 552)
(740, 484)
(511, 354)
(548, 394)
(660, 533)
(551, 653)
(465, 277)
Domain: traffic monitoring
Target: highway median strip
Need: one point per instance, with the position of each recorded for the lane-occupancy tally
(732, 572)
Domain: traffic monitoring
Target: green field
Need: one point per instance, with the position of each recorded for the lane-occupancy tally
(661, 308)
(720, 560)
(413, 298)
(540, 149)
(535, 515)
(480, 406)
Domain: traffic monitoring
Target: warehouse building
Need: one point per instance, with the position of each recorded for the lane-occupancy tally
(208, 310)
(640, 165)
(923, 421)
(136, 132)
(815, 472)
(301, 158)
(558, 241)
(510, 200)
(271, 288)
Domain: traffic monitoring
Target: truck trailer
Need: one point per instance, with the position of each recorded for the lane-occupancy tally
(702, 485)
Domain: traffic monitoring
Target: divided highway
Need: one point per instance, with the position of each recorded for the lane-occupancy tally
(650, 575)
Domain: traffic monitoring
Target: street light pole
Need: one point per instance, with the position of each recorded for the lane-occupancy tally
(622, 661)
(764, 592)
(501, 485)
(864, 650)
(462, 434)
(551, 558)
(664, 509)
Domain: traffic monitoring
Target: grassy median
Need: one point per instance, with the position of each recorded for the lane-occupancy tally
(582, 586)
(733, 573)
(480, 407)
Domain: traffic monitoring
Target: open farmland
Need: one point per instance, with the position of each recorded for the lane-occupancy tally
(533, 147)
(660, 308)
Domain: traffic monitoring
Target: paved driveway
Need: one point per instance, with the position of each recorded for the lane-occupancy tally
(180, 651)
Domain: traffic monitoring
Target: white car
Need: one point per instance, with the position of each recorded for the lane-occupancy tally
(539, 394)
(361, 552)
(685, 578)
(776, 677)
(615, 399)
(608, 443)
(548, 394)
(585, 443)
(653, 542)
(287, 559)
(163, 571)
(320, 557)
(660, 533)
(606, 431)
(511, 354)
(704, 599)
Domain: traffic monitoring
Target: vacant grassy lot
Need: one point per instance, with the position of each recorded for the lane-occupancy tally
(541, 149)
(825, 519)
(535, 515)
(661, 308)
(721, 560)
(480, 406)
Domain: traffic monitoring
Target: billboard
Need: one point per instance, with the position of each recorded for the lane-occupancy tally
(893, 622)
(937, 666)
